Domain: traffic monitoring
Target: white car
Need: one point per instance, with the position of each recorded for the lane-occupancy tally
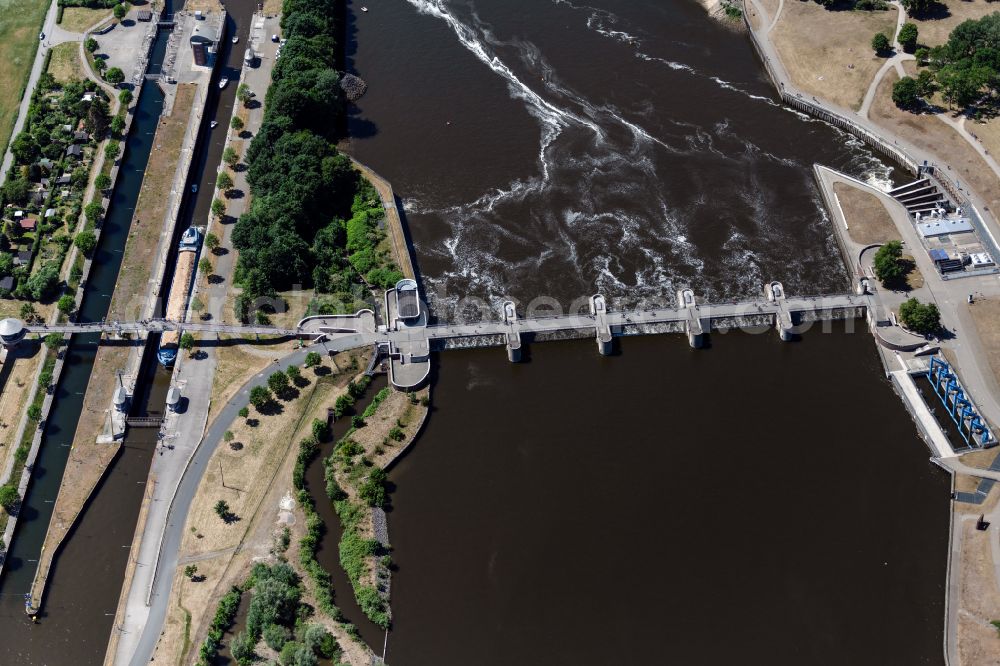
(274, 38)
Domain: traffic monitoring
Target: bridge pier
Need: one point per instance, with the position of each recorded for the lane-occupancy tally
(599, 309)
(513, 335)
(775, 292)
(693, 326)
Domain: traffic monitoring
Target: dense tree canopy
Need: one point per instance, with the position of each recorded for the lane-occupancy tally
(307, 197)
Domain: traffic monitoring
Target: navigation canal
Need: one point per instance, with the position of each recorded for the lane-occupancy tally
(756, 501)
(86, 577)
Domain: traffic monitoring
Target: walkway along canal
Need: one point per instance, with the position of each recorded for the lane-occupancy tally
(85, 581)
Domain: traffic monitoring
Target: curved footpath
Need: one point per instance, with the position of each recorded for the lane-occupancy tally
(142, 644)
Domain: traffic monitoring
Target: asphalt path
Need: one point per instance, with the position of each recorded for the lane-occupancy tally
(180, 505)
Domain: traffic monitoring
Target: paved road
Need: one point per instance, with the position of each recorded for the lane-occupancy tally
(163, 575)
(53, 35)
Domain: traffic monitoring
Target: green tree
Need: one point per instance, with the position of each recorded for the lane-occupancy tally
(112, 149)
(230, 156)
(44, 283)
(190, 571)
(260, 396)
(9, 499)
(211, 242)
(276, 636)
(243, 94)
(228, 436)
(923, 54)
(100, 65)
(102, 182)
(86, 241)
(28, 313)
(93, 211)
(53, 340)
(278, 382)
(115, 75)
(242, 648)
(888, 262)
(880, 43)
(118, 125)
(917, 7)
(907, 37)
(313, 359)
(236, 123)
(926, 85)
(372, 489)
(224, 181)
(187, 342)
(66, 304)
(905, 93)
(222, 510)
(244, 412)
(197, 305)
(293, 374)
(125, 97)
(91, 44)
(205, 266)
(218, 207)
(24, 148)
(923, 318)
(120, 11)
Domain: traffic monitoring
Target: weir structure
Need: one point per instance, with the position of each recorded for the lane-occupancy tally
(407, 339)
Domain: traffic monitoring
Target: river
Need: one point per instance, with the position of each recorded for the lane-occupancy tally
(755, 501)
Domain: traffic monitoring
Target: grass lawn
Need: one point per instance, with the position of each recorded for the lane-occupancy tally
(828, 53)
(79, 19)
(20, 21)
(65, 63)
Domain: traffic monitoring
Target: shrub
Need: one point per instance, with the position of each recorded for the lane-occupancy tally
(372, 489)
(276, 636)
(9, 498)
(260, 396)
(313, 359)
(236, 123)
(880, 43)
(114, 76)
(244, 412)
(91, 44)
(86, 241)
(907, 37)
(66, 304)
(923, 318)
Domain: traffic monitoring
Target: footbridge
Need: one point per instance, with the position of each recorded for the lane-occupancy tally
(407, 339)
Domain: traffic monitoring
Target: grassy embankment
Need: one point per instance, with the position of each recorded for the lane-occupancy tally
(250, 474)
(20, 23)
(356, 484)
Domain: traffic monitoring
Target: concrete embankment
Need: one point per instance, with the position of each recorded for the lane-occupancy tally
(401, 246)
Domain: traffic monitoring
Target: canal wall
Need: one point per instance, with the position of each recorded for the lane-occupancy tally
(133, 365)
(402, 248)
(47, 403)
(814, 107)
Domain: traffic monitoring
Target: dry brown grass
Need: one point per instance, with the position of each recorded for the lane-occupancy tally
(867, 219)
(20, 21)
(980, 459)
(988, 132)
(80, 19)
(248, 471)
(236, 364)
(272, 7)
(151, 209)
(818, 46)
(263, 467)
(985, 314)
(931, 134)
(202, 5)
(935, 31)
(65, 63)
(978, 642)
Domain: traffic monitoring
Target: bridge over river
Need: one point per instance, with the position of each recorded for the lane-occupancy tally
(406, 339)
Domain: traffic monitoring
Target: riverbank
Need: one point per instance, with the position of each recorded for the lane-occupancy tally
(252, 473)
